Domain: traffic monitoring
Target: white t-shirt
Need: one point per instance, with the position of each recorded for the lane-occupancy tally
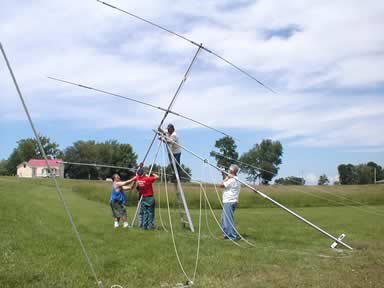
(175, 149)
(231, 190)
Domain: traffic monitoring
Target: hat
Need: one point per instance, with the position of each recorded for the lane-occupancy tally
(170, 126)
(140, 171)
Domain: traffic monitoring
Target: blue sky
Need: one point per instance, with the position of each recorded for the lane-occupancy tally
(324, 59)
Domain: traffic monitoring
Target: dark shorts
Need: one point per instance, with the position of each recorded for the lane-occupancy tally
(118, 209)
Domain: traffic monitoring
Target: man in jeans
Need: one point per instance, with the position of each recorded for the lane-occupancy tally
(230, 198)
(144, 183)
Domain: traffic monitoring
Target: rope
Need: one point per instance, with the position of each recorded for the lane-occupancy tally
(206, 221)
(273, 201)
(217, 222)
(225, 213)
(209, 204)
(159, 185)
(171, 228)
(58, 190)
(199, 237)
(205, 208)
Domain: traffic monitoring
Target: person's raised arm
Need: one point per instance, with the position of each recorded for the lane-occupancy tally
(123, 183)
(225, 181)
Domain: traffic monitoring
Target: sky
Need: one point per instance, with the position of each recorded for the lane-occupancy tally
(324, 59)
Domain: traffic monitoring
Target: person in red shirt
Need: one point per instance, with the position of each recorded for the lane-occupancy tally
(144, 184)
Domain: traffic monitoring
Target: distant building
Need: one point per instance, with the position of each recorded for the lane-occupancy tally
(380, 182)
(38, 168)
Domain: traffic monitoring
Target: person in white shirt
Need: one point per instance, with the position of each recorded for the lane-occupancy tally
(230, 199)
(172, 140)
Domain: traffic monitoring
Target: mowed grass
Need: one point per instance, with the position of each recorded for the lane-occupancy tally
(39, 249)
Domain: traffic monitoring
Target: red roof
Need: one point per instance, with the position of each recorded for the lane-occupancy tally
(41, 162)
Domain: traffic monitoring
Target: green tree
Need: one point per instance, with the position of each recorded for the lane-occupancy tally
(265, 159)
(359, 174)
(291, 180)
(347, 174)
(323, 180)
(378, 169)
(227, 152)
(110, 152)
(29, 149)
(3, 168)
(365, 174)
(81, 152)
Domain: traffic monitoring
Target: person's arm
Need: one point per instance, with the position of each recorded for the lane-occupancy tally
(123, 183)
(162, 135)
(126, 188)
(226, 181)
(222, 185)
(171, 139)
(155, 176)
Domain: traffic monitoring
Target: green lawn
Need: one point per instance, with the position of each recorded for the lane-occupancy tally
(39, 249)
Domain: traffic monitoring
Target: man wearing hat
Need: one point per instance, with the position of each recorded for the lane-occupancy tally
(230, 199)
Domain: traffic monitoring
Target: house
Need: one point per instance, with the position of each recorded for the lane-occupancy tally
(39, 168)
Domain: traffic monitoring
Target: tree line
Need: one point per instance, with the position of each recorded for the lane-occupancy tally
(260, 163)
(360, 174)
(109, 152)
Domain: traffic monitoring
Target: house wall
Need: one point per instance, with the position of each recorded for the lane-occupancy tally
(40, 171)
(24, 172)
(43, 171)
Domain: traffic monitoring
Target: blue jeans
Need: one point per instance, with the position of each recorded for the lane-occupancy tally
(177, 159)
(148, 208)
(227, 220)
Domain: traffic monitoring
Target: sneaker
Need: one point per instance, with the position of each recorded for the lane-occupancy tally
(116, 224)
(125, 225)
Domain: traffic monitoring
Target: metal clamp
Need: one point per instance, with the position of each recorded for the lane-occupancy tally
(334, 244)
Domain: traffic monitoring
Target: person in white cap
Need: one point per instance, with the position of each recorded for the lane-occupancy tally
(230, 199)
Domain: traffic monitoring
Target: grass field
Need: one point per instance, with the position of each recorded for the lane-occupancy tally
(39, 249)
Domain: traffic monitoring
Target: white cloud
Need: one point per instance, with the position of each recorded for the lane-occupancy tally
(311, 179)
(315, 71)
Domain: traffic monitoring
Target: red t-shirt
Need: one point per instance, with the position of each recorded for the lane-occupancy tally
(145, 185)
